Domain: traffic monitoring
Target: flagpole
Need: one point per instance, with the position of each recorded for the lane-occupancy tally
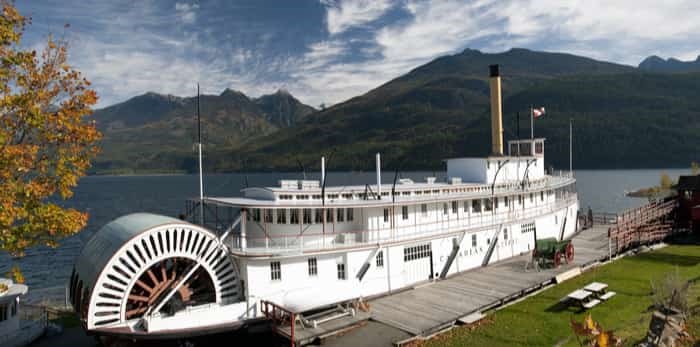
(199, 147)
(532, 122)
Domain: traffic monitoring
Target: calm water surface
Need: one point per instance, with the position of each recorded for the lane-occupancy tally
(108, 197)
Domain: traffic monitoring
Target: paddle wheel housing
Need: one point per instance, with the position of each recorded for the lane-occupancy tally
(142, 262)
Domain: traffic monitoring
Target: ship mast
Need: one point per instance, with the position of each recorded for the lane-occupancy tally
(199, 149)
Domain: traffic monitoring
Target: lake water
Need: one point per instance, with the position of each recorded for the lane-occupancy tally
(107, 197)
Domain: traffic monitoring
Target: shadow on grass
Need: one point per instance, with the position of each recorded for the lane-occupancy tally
(560, 306)
(673, 259)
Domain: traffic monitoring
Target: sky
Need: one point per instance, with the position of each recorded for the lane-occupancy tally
(327, 51)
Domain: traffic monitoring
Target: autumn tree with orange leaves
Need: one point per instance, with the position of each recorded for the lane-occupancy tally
(46, 140)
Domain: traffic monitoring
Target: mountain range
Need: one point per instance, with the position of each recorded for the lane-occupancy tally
(624, 117)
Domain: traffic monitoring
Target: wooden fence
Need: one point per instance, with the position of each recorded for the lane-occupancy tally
(643, 225)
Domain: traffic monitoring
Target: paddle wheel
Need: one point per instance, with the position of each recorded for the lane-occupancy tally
(142, 265)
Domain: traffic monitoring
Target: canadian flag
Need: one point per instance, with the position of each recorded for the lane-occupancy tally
(538, 112)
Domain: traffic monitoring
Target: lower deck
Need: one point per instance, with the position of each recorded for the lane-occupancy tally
(426, 309)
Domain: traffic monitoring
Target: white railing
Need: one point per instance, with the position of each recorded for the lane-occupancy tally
(312, 242)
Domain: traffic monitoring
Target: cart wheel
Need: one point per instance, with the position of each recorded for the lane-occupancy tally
(557, 258)
(569, 253)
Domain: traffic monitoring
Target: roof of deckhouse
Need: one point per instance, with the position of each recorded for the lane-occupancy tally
(483, 192)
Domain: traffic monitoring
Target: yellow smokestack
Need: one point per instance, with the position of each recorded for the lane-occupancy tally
(496, 112)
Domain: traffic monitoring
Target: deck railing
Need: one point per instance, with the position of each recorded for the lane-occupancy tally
(318, 241)
(642, 225)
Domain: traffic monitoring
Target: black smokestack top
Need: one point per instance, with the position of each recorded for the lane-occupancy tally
(493, 69)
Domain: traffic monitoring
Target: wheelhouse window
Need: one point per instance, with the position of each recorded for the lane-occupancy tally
(307, 216)
(282, 216)
(268, 216)
(350, 214)
(424, 210)
(341, 271)
(454, 207)
(294, 216)
(275, 271)
(386, 215)
(404, 212)
(380, 259)
(313, 268)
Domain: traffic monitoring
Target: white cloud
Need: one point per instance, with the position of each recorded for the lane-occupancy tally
(186, 12)
(351, 13)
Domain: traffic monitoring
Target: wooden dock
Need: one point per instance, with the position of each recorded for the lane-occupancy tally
(432, 307)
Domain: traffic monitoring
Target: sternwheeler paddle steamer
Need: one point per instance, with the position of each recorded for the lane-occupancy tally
(303, 246)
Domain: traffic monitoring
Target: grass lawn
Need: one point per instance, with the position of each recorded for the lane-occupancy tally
(540, 321)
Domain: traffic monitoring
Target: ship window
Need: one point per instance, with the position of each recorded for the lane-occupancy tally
(302, 197)
(319, 216)
(385, 193)
(329, 216)
(275, 271)
(505, 234)
(532, 197)
(488, 204)
(444, 208)
(542, 196)
(426, 192)
(380, 259)
(282, 216)
(424, 210)
(539, 147)
(405, 193)
(416, 252)
(332, 196)
(347, 196)
(307, 216)
(3, 312)
(466, 206)
(476, 205)
(386, 215)
(505, 201)
(474, 240)
(418, 192)
(268, 216)
(527, 228)
(313, 269)
(436, 191)
(341, 214)
(285, 197)
(316, 197)
(404, 212)
(350, 214)
(294, 216)
(454, 207)
(256, 215)
(341, 271)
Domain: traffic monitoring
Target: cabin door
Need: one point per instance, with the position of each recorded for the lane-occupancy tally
(417, 263)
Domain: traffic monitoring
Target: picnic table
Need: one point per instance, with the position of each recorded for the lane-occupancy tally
(582, 298)
(600, 290)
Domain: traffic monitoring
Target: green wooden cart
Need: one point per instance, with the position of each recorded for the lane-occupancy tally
(551, 251)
